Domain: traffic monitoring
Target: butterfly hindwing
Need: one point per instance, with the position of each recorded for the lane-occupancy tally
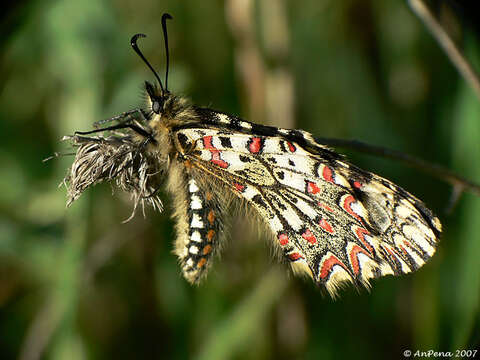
(410, 230)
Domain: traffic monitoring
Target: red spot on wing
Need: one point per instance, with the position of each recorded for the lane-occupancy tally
(347, 205)
(207, 143)
(354, 258)
(295, 256)
(308, 235)
(255, 145)
(326, 226)
(291, 147)
(312, 188)
(239, 187)
(327, 174)
(219, 162)
(216, 159)
(328, 264)
(361, 232)
(357, 184)
(283, 238)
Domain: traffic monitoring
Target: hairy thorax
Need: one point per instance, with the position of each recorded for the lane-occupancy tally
(177, 112)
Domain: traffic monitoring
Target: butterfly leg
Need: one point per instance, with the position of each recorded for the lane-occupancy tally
(133, 127)
(126, 114)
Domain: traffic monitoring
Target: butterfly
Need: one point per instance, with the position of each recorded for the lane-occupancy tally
(330, 220)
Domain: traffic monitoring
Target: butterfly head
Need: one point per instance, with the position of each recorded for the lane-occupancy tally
(157, 96)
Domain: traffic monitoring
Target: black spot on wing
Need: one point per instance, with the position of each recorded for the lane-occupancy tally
(225, 141)
(244, 158)
(259, 200)
(316, 168)
(183, 140)
(235, 123)
(264, 130)
(297, 134)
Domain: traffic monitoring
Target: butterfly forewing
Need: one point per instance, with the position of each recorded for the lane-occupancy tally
(331, 220)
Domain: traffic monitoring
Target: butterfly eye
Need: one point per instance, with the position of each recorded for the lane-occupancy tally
(156, 106)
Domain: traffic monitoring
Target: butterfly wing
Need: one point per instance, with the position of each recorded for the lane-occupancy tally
(331, 220)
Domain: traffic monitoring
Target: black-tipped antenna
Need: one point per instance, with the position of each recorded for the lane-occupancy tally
(133, 42)
(165, 37)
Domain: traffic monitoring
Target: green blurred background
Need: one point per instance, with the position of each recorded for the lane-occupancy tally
(79, 284)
